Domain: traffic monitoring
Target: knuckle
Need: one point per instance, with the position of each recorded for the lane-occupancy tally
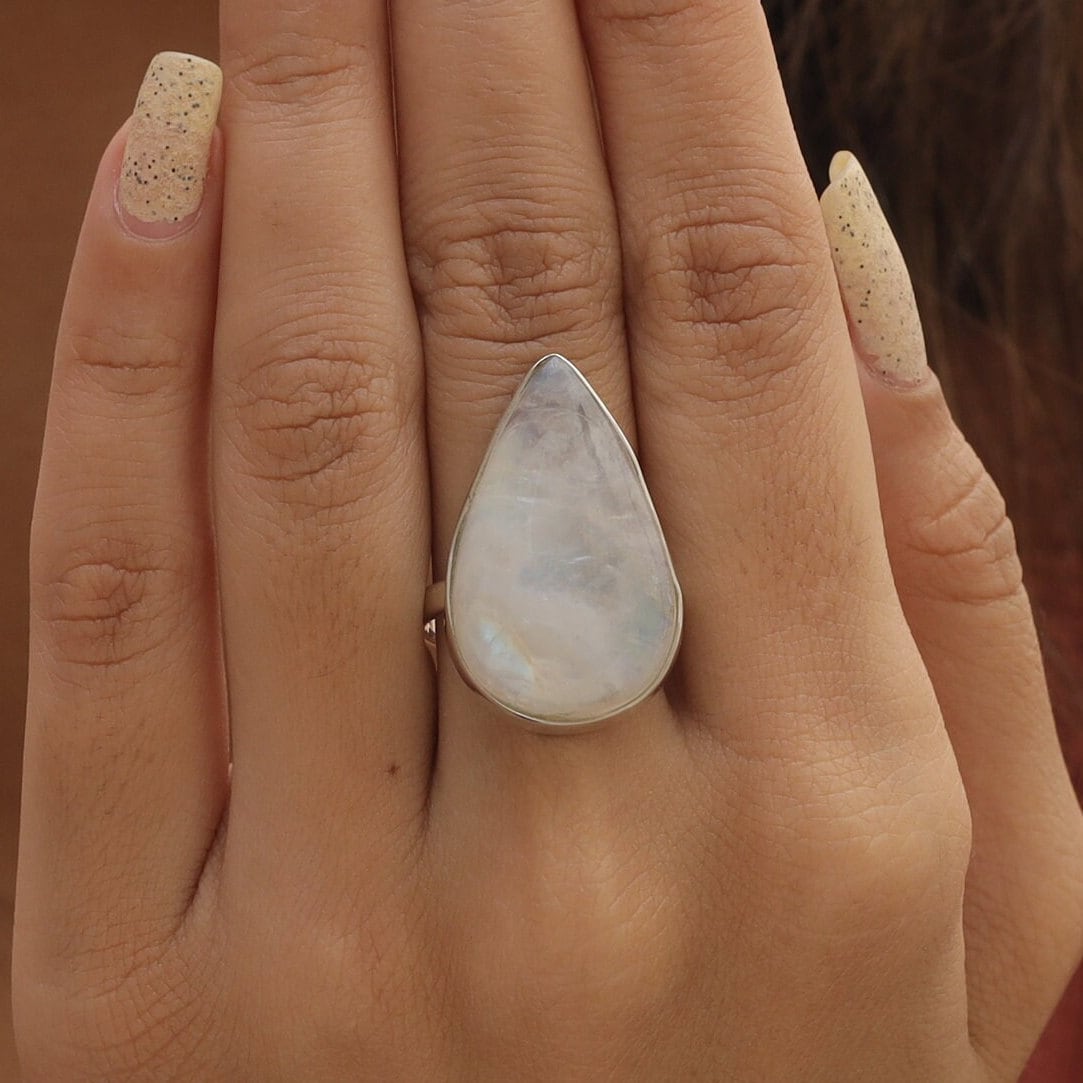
(519, 273)
(140, 366)
(641, 20)
(598, 918)
(316, 414)
(110, 604)
(885, 866)
(147, 1027)
(966, 541)
(885, 842)
(296, 70)
(741, 291)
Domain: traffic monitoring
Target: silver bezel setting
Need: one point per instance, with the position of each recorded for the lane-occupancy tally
(551, 725)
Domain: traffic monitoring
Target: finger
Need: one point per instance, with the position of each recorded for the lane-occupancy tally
(748, 409)
(320, 490)
(125, 773)
(958, 576)
(514, 253)
(508, 219)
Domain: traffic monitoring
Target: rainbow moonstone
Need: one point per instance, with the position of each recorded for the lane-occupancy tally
(562, 602)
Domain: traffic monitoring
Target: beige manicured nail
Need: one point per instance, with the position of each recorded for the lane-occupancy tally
(169, 141)
(873, 278)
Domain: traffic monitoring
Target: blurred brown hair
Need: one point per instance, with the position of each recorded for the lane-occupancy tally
(968, 115)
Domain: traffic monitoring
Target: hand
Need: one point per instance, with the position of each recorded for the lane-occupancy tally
(840, 843)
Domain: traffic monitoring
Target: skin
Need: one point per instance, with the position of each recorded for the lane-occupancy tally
(771, 869)
(61, 105)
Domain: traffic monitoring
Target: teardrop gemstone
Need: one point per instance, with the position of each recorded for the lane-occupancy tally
(562, 602)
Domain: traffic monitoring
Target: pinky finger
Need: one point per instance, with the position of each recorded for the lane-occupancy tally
(125, 762)
(954, 561)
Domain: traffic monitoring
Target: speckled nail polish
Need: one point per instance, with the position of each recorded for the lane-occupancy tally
(169, 141)
(873, 278)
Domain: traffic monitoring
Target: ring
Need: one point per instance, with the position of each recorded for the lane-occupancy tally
(560, 604)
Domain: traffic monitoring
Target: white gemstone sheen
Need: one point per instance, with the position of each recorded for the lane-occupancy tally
(561, 596)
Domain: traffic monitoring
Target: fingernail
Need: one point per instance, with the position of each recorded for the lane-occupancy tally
(169, 144)
(873, 278)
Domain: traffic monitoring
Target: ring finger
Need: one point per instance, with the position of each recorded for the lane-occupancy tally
(513, 248)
